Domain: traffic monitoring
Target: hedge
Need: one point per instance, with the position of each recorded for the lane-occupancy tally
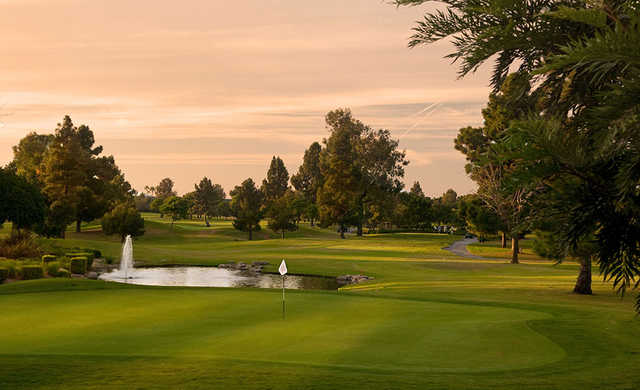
(78, 265)
(89, 256)
(64, 273)
(32, 272)
(47, 259)
(4, 274)
(53, 268)
(12, 267)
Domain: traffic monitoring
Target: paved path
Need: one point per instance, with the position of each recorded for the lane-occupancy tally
(460, 248)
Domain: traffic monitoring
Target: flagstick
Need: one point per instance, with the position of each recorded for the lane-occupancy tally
(283, 309)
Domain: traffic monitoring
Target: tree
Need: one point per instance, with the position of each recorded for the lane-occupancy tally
(123, 220)
(585, 143)
(21, 202)
(480, 219)
(143, 202)
(360, 167)
(507, 204)
(277, 181)
(246, 207)
(163, 190)
(160, 192)
(414, 211)
(416, 189)
(224, 209)
(207, 198)
(309, 179)
(175, 207)
(282, 214)
(104, 188)
(337, 199)
(58, 216)
(28, 155)
(449, 198)
(68, 168)
(65, 173)
(382, 169)
(156, 205)
(487, 166)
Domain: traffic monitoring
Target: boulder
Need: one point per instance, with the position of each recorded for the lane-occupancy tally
(255, 263)
(92, 275)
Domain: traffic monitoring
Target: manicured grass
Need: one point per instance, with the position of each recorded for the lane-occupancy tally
(492, 249)
(428, 320)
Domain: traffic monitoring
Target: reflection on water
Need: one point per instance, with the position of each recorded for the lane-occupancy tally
(217, 277)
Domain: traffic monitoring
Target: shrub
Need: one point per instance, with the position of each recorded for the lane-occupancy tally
(32, 272)
(88, 255)
(19, 244)
(96, 253)
(78, 265)
(11, 266)
(64, 273)
(48, 259)
(4, 274)
(52, 268)
(109, 259)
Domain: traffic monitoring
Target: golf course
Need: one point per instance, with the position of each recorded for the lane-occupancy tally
(428, 319)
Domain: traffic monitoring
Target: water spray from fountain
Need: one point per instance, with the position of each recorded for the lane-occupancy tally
(126, 261)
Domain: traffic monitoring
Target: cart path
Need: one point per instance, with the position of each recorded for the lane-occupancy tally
(459, 248)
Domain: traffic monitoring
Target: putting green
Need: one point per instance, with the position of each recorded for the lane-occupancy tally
(325, 329)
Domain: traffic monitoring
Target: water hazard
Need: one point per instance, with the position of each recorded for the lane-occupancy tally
(217, 277)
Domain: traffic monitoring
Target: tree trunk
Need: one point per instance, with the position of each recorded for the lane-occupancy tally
(583, 284)
(283, 234)
(361, 216)
(311, 220)
(342, 231)
(206, 221)
(504, 240)
(78, 226)
(515, 249)
(250, 234)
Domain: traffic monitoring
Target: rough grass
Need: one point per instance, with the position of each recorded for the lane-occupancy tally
(428, 320)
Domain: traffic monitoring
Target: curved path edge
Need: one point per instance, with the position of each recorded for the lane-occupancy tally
(459, 248)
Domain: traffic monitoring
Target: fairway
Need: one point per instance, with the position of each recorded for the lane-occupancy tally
(428, 319)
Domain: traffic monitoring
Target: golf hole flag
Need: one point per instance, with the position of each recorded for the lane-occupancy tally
(283, 271)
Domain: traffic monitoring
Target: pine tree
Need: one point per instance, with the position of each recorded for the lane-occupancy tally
(277, 181)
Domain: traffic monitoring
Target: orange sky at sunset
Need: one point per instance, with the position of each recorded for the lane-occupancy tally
(207, 87)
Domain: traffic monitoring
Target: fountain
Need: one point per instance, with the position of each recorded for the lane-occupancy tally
(208, 276)
(126, 261)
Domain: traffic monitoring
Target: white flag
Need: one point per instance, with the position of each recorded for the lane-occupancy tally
(283, 268)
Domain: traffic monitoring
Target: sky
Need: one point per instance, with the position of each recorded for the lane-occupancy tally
(216, 88)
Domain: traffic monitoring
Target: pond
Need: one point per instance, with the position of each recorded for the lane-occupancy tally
(218, 277)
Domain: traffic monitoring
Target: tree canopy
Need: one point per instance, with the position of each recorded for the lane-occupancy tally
(247, 207)
(207, 197)
(123, 220)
